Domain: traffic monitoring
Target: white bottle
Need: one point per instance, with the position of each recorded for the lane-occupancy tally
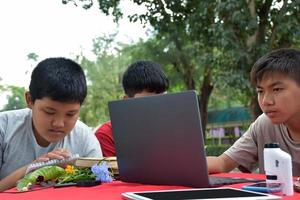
(278, 168)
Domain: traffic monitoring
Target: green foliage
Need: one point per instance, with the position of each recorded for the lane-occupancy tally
(226, 140)
(86, 4)
(225, 96)
(215, 150)
(103, 78)
(217, 39)
(32, 56)
(211, 46)
(15, 98)
(47, 173)
(75, 174)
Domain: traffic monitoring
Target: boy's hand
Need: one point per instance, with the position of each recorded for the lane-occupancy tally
(58, 153)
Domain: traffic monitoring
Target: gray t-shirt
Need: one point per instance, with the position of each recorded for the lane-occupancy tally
(247, 151)
(18, 146)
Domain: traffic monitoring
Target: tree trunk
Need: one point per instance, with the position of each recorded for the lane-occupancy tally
(205, 92)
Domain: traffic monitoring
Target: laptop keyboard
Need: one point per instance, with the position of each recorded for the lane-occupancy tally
(219, 181)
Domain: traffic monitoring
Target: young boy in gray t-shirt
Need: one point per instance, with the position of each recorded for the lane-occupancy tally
(49, 129)
(276, 77)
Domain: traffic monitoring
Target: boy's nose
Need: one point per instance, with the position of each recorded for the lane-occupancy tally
(268, 100)
(58, 122)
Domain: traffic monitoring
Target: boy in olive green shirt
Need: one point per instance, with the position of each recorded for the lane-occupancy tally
(276, 77)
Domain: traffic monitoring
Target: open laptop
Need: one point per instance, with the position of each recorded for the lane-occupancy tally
(159, 140)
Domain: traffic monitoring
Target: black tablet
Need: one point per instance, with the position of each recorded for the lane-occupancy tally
(200, 194)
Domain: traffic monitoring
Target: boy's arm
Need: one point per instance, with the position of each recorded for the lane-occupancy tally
(222, 163)
(11, 180)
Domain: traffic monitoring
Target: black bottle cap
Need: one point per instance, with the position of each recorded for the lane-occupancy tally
(272, 145)
(271, 177)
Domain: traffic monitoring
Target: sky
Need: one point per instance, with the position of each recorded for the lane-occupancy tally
(50, 28)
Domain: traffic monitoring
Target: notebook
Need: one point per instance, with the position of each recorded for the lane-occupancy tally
(159, 140)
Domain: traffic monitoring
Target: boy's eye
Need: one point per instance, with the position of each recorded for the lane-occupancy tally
(258, 91)
(49, 112)
(71, 114)
(277, 89)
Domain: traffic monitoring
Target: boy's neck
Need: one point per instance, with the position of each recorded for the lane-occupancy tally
(41, 141)
(294, 131)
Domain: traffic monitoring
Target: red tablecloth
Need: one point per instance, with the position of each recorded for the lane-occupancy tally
(109, 191)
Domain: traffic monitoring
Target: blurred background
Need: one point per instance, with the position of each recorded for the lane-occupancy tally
(207, 46)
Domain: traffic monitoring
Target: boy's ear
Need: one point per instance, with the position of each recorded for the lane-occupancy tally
(28, 99)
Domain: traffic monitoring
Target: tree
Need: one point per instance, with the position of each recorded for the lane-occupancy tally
(15, 100)
(103, 79)
(210, 43)
(242, 31)
(252, 28)
(189, 62)
(15, 97)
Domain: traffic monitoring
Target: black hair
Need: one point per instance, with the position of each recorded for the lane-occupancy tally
(59, 79)
(144, 75)
(285, 61)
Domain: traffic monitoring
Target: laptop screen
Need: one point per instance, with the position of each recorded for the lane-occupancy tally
(159, 139)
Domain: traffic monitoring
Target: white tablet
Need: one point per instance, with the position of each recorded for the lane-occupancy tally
(200, 194)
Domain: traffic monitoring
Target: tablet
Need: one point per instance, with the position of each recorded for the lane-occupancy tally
(200, 194)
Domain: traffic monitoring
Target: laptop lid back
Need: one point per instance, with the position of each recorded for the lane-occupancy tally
(159, 140)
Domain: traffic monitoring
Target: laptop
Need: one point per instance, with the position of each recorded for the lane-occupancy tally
(159, 140)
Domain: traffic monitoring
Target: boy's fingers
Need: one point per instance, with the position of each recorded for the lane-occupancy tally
(58, 153)
(41, 159)
(62, 152)
(55, 155)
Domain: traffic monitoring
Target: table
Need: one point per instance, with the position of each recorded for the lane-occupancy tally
(110, 191)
